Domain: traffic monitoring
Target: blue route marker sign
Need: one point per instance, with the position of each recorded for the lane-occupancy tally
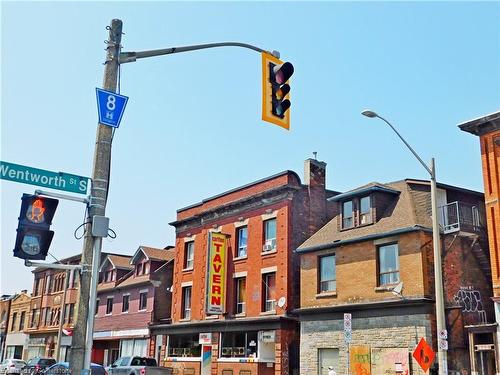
(110, 106)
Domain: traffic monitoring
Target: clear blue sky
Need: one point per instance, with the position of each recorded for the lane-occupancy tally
(192, 126)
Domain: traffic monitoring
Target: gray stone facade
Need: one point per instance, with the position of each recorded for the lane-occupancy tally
(376, 332)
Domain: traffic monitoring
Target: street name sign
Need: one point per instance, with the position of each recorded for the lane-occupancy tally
(40, 177)
(110, 106)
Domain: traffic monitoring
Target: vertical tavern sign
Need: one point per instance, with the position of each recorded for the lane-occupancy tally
(110, 106)
(216, 273)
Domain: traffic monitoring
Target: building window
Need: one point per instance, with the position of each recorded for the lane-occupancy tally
(125, 302)
(138, 269)
(96, 306)
(108, 276)
(186, 303)
(240, 291)
(327, 279)
(68, 313)
(269, 291)
(365, 216)
(269, 235)
(242, 238)
(388, 263)
(239, 344)
(33, 318)
(14, 318)
(143, 300)
(188, 255)
(21, 320)
(38, 282)
(184, 345)
(109, 305)
(347, 215)
(46, 317)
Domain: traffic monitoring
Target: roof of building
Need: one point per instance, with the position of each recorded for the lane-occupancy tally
(118, 261)
(408, 210)
(153, 253)
(366, 189)
(482, 125)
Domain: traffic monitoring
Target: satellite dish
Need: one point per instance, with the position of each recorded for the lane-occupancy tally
(397, 289)
(281, 302)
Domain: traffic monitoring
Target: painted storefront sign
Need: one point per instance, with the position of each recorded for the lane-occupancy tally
(359, 360)
(216, 273)
(390, 361)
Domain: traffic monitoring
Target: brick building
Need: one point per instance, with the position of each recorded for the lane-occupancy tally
(132, 293)
(374, 260)
(51, 306)
(488, 130)
(263, 222)
(4, 322)
(16, 338)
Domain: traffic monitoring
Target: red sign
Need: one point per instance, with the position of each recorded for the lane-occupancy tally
(424, 355)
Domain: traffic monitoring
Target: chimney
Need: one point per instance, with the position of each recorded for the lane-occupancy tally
(315, 179)
(315, 173)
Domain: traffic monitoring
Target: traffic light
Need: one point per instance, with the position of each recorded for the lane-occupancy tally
(275, 90)
(33, 234)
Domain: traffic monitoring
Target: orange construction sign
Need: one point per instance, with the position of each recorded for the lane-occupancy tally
(424, 355)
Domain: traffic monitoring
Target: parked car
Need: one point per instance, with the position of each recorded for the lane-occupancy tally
(62, 368)
(12, 366)
(36, 365)
(137, 366)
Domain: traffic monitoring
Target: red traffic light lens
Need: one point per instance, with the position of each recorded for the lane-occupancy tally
(282, 73)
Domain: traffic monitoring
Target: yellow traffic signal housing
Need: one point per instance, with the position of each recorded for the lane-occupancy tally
(275, 90)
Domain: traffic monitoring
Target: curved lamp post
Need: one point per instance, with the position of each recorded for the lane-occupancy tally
(438, 282)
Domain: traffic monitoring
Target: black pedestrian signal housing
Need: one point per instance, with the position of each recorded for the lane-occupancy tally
(33, 231)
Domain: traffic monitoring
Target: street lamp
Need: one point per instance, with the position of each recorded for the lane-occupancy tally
(440, 316)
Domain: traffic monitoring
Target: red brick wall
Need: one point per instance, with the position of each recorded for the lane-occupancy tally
(134, 319)
(288, 178)
(490, 156)
(253, 264)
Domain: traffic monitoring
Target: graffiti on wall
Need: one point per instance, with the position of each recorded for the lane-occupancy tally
(390, 361)
(471, 302)
(359, 360)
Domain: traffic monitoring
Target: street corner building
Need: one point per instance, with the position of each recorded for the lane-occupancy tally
(487, 128)
(373, 261)
(236, 276)
(132, 293)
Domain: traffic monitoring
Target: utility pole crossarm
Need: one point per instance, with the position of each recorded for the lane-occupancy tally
(126, 57)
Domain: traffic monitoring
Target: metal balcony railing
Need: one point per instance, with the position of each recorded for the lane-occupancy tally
(459, 216)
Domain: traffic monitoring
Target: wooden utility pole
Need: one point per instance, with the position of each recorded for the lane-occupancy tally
(82, 335)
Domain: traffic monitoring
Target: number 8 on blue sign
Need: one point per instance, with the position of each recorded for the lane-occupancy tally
(110, 107)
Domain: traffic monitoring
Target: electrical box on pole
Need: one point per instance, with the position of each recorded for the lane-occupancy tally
(276, 90)
(33, 232)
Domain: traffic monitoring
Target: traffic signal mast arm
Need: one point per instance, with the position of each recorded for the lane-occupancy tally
(126, 57)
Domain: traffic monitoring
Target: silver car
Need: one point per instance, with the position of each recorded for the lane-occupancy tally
(11, 366)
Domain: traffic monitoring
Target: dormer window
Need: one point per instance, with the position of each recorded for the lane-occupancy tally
(108, 276)
(347, 215)
(356, 212)
(365, 212)
(139, 269)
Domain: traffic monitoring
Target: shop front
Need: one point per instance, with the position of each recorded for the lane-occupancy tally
(235, 348)
(110, 345)
(15, 345)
